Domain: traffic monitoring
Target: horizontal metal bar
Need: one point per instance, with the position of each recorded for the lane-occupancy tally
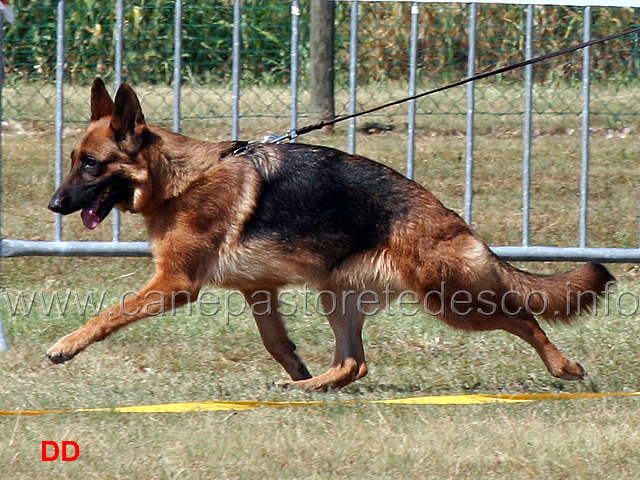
(568, 254)
(26, 248)
(23, 248)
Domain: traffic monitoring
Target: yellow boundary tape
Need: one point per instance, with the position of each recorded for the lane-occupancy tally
(250, 405)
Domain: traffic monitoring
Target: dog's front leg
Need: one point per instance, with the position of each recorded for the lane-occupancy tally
(161, 294)
(265, 307)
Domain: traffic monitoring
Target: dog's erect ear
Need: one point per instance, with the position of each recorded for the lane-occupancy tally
(101, 103)
(127, 113)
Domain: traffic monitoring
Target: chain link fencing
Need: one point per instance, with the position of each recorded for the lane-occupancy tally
(383, 59)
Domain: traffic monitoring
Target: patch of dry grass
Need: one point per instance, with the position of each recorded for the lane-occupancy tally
(369, 442)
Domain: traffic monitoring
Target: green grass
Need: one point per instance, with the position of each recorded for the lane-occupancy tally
(191, 358)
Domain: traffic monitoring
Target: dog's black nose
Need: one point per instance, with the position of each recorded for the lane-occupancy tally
(56, 204)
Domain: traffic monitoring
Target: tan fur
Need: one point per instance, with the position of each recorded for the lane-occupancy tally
(368, 271)
(199, 201)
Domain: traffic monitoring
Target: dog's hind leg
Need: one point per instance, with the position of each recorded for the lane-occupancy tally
(264, 305)
(528, 329)
(346, 320)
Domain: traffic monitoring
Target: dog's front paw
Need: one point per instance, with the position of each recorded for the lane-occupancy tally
(62, 351)
(59, 357)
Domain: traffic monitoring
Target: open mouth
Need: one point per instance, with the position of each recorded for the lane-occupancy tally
(99, 208)
(95, 199)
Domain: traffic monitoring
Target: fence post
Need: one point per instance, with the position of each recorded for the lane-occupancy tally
(4, 342)
(59, 115)
(413, 73)
(586, 94)
(177, 65)
(295, 45)
(119, 44)
(235, 69)
(471, 106)
(353, 75)
(322, 54)
(119, 34)
(527, 128)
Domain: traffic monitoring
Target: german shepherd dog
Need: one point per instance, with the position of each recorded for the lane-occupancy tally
(257, 217)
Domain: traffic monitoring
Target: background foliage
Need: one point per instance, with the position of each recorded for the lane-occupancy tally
(384, 37)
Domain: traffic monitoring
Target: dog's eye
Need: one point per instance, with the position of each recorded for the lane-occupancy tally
(89, 163)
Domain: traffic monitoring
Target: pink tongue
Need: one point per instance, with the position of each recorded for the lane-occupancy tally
(89, 216)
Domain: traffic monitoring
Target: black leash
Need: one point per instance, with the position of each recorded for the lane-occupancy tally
(291, 134)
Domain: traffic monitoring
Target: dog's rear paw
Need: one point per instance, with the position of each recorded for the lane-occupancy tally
(283, 384)
(303, 384)
(572, 371)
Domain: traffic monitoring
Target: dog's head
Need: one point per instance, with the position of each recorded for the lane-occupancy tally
(104, 164)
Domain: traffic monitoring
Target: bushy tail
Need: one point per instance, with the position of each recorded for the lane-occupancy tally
(560, 297)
